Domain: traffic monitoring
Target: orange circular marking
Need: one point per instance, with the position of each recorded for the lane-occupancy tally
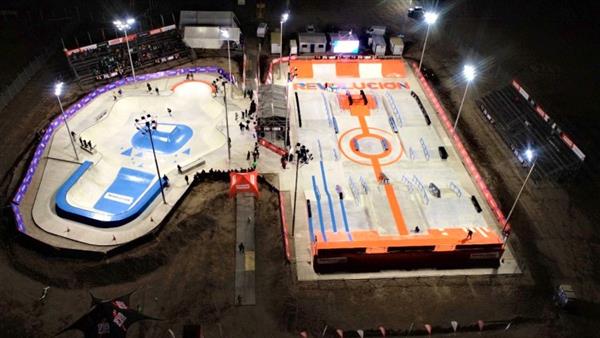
(369, 156)
(212, 88)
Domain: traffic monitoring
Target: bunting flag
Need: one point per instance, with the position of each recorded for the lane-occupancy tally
(382, 330)
(304, 334)
(428, 328)
(340, 333)
(361, 333)
(480, 324)
(454, 324)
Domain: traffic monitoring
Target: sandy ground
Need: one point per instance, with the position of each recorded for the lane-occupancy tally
(554, 233)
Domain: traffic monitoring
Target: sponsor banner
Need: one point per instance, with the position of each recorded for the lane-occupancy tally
(81, 49)
(372, 85)
(542, 113)
(155, 31)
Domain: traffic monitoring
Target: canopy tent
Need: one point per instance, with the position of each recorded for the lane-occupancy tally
(107, 318)
(243, 182)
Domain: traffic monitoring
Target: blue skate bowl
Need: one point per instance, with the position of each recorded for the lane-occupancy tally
(168, 138)
(125, 199)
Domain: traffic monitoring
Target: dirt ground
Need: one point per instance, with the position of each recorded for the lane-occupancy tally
(185, 274)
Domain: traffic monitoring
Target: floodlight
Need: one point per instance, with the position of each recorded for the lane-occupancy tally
(58, 89)
(130, 21)
(225, 33)
(469, 72)
(529, 154)
(284, 17)
(431, 17)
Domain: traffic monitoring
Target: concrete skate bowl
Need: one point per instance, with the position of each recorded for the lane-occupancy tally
(129, 194)
(110, 204)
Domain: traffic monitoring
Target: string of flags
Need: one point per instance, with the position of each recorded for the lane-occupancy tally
(428, 328)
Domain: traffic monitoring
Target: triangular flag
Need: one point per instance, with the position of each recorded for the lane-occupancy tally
(304, 334)
(340, 333)
(382, 330)
(187, 151)
(361, 333)
(480, 324)
(454, 324)
(428, 328)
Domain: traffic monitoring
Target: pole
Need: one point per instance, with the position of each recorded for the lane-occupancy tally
(149, 129)
(518, 196)
(130, 59)
(461, 105)
(295, 194)
(280, 48)
(229, 61)
(67, 125)
(227, 122)
(424, 45)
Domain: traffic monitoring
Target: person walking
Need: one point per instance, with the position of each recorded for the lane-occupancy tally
(470, 234)
(241, 247)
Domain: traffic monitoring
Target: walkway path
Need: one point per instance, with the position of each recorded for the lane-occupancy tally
(244, 251)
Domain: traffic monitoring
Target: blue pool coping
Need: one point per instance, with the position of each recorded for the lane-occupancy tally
(99, 218)
(74, 109)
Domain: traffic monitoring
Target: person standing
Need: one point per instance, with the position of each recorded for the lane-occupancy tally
(470, 234)
(248, 156)
(157, 91)
(187, 180)
(169, 110)
(241, 247)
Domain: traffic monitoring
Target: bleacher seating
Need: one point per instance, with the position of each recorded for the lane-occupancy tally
(108, 60)
(520, 126)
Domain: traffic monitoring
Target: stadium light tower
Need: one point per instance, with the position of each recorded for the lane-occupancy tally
(145, 124)
(430, 19)
(124, 26)
(57, 91)
(469, 74)
(532, 159)
(284, 18)
(225, 35)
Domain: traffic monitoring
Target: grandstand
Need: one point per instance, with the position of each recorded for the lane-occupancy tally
(102, 62)
(522, 123)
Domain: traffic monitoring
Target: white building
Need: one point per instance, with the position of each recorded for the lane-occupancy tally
(312, 43)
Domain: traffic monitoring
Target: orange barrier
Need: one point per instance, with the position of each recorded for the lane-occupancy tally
(348, 67)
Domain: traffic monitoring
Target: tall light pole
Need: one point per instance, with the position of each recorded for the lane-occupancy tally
(469, 73)
(225, 35)
(227, 120)
(145, 124)
(530, 155)
(57, 91)
(430, 19)
(284, 18)
(124, 26)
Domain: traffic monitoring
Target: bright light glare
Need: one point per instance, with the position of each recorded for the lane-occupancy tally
(124, 25)
(225, 33)
(431, 17)
(529, 154)
(284, 17)
(469, 72)
(58, 88)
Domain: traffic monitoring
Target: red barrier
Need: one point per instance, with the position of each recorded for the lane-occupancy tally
(461, 148)
(277, 150)
(284, 228)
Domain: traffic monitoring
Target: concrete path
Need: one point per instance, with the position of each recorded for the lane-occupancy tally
(244, 256)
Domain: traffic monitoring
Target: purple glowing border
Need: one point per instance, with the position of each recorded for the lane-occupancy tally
(76, 107)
